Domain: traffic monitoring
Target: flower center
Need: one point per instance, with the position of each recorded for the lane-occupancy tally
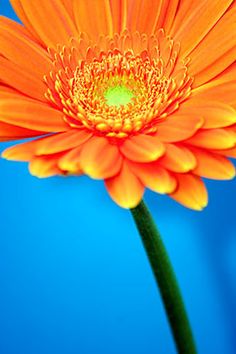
(119, 87)
(118, 96)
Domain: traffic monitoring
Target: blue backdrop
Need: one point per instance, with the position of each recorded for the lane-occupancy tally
(74, 277)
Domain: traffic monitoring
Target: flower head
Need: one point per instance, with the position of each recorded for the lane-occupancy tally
(138, 93)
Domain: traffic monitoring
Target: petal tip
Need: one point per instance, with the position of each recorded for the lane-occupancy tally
(7, 155)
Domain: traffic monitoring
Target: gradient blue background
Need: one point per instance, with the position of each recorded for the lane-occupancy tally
(74, 277)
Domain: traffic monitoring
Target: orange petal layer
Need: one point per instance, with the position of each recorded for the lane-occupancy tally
(69, 7)
(186, 8)
(213, 139)
(154, 177)
(217, 51)
(191, 192)
(218, 90)
(178, 159)
(18, 27)
(119, 15)
(32, 115)
(213, 166)
(63, 141)
(11, 132)
(142, 148)
(44, 167)
(125, 188)
(215, 114)
(99, 159)
(22, 51)
(143, 16)
(199, 22)
(21, 152)
(70, 161)
(169, 11)
(177, 128)
(94, 26)
(16, 4)
(215, 68)
(228, 152)
(49, 19)
(22, 80)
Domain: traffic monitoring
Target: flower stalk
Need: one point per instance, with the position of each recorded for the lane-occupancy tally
(165, 279)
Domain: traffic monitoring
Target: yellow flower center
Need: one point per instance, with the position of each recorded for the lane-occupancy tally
(118, 96)
(121, 86)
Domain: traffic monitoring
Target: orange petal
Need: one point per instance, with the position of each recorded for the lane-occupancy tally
(31, 114)
(11, 132)
(143, 16)
(218, 90)
(119, 15)
(43, 167)
(125, 188)
(217, 51)
(70, 161)
(99, 159)
(63, 141)
(6, 92)
(16, 4)
(228, 152)
(60, 142)
(18, 27)
(21, 152)
(22, 51)
(213, 166)
(94, 26)
(69, 7)
(213, 139)
(231, 130)
(49, 19)
(142, 148)
(186, 8)
(154, 177)
(178, 128)
(225, 77)
(22, 80)
(215, 114)
(199, 22)
(168, 14)
(191, 192)
(215, 68)
(178, 159)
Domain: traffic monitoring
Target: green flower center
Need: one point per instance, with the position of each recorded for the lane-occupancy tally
(118, 96)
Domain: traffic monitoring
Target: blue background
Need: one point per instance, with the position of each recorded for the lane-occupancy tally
(74, 277)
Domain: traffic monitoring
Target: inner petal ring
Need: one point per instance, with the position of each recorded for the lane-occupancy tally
(119, 87)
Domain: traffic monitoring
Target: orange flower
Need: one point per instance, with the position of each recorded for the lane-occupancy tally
(139, 93)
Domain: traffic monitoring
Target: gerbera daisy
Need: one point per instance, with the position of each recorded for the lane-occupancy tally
(140, 94)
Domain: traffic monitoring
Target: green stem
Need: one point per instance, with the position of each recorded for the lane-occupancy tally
(166, 280)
